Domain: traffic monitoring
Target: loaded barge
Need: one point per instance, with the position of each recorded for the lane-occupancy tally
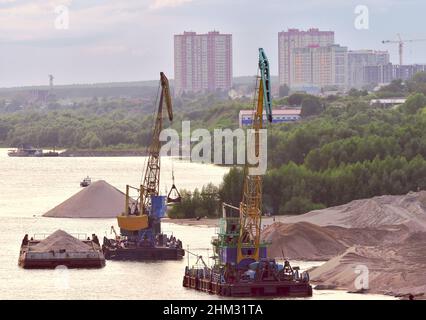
(60, 249)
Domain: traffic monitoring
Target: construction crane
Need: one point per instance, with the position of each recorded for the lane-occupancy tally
(140, 223)
(135, 214)
(251, 203)
(401, 43)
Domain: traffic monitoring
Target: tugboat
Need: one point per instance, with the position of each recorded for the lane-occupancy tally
(85, 182)
(25, 151)
(242, 267)
(29, 151)
(141, 237)
(51, 153)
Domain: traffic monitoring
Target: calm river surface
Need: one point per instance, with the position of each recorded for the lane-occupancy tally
(31, 186)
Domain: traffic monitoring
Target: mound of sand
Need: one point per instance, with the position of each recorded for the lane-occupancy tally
(395, 269)
(98, 200)
(386, 234)
(307, 241)
(60, 240)
(377, 212)
(302, 241)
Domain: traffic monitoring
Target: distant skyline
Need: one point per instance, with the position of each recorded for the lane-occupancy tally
(132, 40)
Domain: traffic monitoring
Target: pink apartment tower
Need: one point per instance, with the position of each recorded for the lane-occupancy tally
(291, 40)
(202, 62)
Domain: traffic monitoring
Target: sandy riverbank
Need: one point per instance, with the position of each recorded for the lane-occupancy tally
(385, 234)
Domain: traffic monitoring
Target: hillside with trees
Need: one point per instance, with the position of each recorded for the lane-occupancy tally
(350, 151)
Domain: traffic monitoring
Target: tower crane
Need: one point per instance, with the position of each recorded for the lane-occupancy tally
(401, 43)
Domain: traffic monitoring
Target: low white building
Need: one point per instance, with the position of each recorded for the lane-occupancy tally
(278, 116)
(388, 102)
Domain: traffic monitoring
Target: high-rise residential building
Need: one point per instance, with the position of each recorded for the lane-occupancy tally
(384, 74)
(378, 74)
(293, 39)
(319, 66)
(202, 62)
(406, 72)
(358, 60)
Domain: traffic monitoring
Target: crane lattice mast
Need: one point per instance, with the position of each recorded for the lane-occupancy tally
(151, 181)
(251, 203)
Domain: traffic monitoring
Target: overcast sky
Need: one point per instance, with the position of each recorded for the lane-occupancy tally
(130, 40)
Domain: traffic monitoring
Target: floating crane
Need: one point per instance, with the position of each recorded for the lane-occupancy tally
(401, 43)
(140, 223)
(242, 267)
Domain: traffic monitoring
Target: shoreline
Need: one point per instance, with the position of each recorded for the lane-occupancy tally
(102, 153)
(213, 222)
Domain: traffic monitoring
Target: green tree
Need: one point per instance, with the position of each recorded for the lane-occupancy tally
(311, 106)
(284, 91)
(414, 103)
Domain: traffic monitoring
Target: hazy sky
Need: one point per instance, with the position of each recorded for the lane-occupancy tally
(129, 40)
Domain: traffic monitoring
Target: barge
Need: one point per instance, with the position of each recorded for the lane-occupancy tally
(274, 285)
(128, 250)
(60, 249)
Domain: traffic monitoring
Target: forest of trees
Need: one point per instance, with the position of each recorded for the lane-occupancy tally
(351, 151)
(106, 123)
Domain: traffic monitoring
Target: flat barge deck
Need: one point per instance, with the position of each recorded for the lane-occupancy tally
(249, 288)
(128, 250)
(71, 253)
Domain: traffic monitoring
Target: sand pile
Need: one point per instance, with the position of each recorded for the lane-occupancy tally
(307, 241)
(387, 234)
(60, 240)
(98, 200)
(395, 269)
(377, 212)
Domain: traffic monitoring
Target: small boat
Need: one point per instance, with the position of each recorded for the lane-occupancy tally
(86, 182)
(29, 151)
(51, 154)
(25, 151)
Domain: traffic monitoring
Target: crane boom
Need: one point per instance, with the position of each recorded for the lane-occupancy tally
(401, 43)
(151, 182)
(251, 203)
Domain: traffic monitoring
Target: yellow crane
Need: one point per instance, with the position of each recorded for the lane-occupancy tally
(135, 216)
(251, 203)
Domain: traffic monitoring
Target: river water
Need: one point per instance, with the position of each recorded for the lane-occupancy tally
(31, 186)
